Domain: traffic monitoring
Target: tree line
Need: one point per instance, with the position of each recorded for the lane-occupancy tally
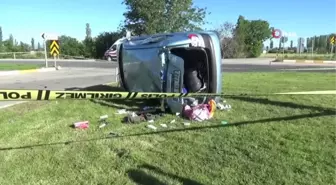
(244, 38)
(318, 44)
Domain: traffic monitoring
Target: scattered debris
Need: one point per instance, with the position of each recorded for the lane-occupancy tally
(173, 121)
(198, 113)
(149, 117)
(134, 118)
(186, 124)
(224, 122)
(164, 125)
(81, 125)
(103, 117)
(223, 106)
(114, 134)
(121, 111)
(151, 121)
(102, 125)
(148, 108)
(178, 114)
(103, 121)
(151, 127)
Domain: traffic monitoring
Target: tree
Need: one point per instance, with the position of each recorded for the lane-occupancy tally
(1, 39)
(252, 34)
(158, 16)
(33, 44)
(229, 44)
(9, 44)
(88, 30)
(89, 43)
(70, 46)
(308, 42)
(105, 41)
(291, 44)
(39, 46)
(271, 44)
(240, 34)
(24, 47)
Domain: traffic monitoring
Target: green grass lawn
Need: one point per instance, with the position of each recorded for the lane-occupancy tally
(10, 66)
(303, 56)
(282, 139)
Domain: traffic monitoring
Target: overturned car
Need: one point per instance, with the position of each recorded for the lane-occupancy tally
(172, 62)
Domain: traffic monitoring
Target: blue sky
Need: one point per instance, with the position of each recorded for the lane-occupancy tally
(27, 19)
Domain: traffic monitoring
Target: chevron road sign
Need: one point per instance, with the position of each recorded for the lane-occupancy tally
(332, 40)
(54, 48)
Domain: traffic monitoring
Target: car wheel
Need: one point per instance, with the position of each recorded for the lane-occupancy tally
(109, 59)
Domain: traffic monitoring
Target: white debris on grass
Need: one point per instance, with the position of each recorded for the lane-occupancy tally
(151, 127)
(164, 125)
(121, 111)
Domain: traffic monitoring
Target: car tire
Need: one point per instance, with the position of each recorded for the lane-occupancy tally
(109, 59)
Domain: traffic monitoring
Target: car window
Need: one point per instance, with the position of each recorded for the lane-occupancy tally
(114, 47)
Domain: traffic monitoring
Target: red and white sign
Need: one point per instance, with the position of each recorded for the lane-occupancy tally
(277, 33)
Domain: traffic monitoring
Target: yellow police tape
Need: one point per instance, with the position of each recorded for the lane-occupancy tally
(14, 95)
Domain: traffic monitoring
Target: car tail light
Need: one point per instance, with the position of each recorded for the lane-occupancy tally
(195, 41)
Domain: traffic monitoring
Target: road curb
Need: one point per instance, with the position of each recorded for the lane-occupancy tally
(307, 61)
(17, 72)
(51, 60)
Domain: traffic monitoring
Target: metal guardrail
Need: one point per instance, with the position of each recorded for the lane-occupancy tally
(13, 55)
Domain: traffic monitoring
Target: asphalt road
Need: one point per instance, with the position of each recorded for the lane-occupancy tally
(65, 63)
(229, 65)
(57, 80)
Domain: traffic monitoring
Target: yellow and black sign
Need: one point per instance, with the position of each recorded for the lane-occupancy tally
(38, 95)
(332, 40)
(54, 48)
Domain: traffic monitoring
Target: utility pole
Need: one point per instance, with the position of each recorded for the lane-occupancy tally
(313, 47)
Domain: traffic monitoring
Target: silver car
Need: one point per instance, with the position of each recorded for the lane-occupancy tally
(187, 62)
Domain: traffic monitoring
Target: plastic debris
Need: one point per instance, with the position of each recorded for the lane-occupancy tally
(177, 114)
(186, 124)
(82, 124)
(151, 127)
(224, 122)
(221, 106)
(121, 111)
(114, 134)
(151, 121)
(103, 117)
(102, 125)
(173, 121)
(164, 125)
(198, 113)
